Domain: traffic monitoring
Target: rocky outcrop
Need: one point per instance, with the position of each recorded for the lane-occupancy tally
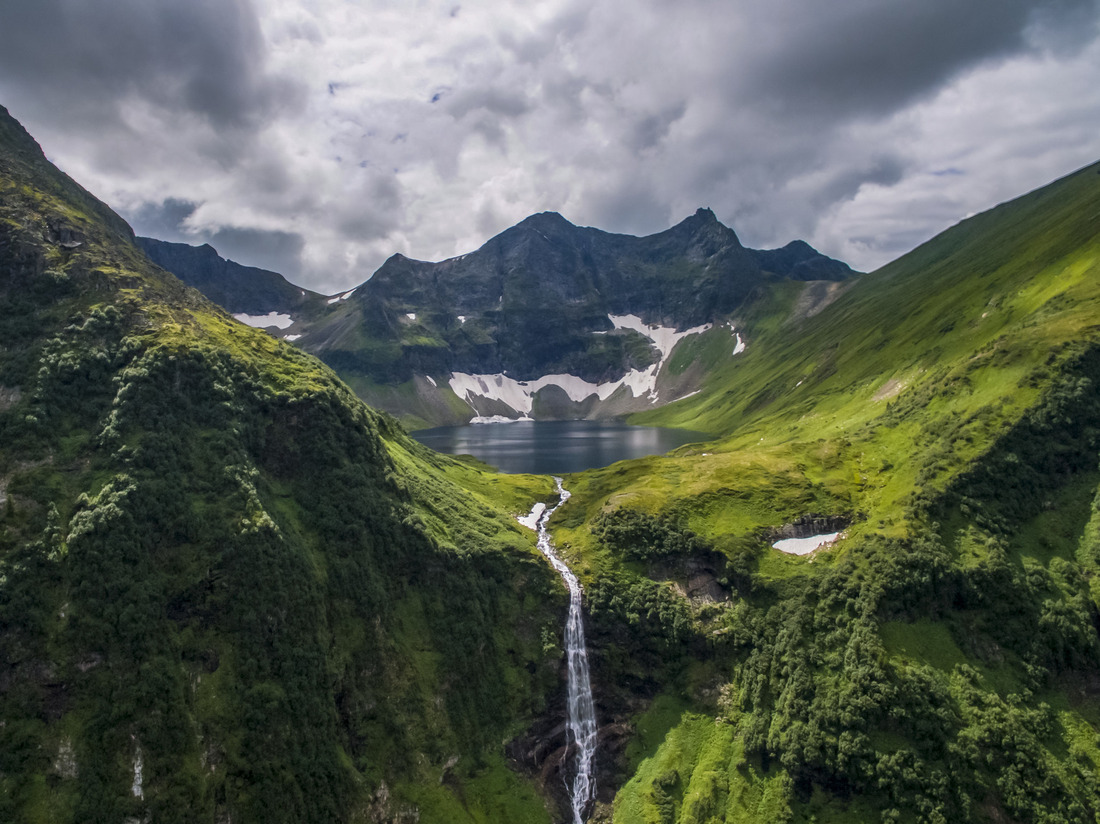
(809, 525)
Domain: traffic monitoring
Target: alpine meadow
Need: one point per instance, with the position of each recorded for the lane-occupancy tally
(231, 591)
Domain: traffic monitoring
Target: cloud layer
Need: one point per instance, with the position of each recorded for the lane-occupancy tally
(317, 138)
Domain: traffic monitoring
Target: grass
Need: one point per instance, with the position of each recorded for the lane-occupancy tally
(699, 774)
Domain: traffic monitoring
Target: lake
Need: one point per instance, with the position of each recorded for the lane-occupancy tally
(554, 447)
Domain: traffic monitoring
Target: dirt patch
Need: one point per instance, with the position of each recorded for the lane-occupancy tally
(889, 389)
(816, 296)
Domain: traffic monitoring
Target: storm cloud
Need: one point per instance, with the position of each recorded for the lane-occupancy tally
(319, 138)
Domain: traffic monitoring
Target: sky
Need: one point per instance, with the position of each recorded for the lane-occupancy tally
(318, 137)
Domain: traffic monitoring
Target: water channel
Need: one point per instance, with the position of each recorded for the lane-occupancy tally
(581, 712)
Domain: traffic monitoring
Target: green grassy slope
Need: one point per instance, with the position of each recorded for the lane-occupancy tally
(942, 661)
(220, 571)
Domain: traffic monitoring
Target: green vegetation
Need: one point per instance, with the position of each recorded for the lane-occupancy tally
(939, 663)
(220, 571)
(217, 564)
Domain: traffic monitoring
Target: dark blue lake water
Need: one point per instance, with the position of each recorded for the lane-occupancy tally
(554, 447)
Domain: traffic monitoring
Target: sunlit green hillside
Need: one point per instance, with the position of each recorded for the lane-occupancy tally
(941, 662)
(228, 590)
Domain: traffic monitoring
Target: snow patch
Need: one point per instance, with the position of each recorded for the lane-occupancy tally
(519, 395)
(411, 315)
(344, 296)
(804, 546)
(461, 318)
(738, 347)
(291, 338)
(531, 520)
(431, 380)
(496, 419)
(264, 321)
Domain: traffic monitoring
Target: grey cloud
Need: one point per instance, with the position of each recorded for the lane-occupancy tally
(164, 221)
(652, 129)
(860, 58)
(496, 101)
(884, 170)
(203, 56)
(633, 204)
(627, 115)
(278, 251)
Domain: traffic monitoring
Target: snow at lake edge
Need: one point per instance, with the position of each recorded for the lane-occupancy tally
(519, 395)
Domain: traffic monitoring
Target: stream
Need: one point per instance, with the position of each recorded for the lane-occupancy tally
(581, 720)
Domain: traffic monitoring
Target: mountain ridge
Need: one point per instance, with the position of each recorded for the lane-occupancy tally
(539, 299)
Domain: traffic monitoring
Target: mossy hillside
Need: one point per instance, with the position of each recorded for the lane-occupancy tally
(214, 559)
(948, 344)
(958, 614)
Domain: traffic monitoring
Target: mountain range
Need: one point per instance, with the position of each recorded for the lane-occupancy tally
(231, 591)
(545, 320)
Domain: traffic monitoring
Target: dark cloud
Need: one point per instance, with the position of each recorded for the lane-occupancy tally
(652, 129)
(791, 118)
(278, 251)
(633, 204)
(164, 221)
(853, 57)
(202, 57)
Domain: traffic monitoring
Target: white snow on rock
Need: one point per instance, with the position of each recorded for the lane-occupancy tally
(664, 338)
(431, 380)
(461, 318)
(519, 395)
(264, 321)
(291, 338)
(344, 296)
(531, 520)
(411, 315)
(497, 419)
(739, 347)
(804, 546)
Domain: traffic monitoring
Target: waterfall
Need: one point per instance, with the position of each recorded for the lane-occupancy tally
(581, 721)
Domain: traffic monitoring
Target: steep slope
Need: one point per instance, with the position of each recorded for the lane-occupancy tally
(940, 662)
(241, 290)
(228, 590)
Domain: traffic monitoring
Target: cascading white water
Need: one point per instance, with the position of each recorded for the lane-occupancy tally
(581, 721)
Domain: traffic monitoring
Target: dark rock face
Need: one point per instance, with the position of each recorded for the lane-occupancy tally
(534, 300)
(232, 286)
(809, 525)
(799, 260)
